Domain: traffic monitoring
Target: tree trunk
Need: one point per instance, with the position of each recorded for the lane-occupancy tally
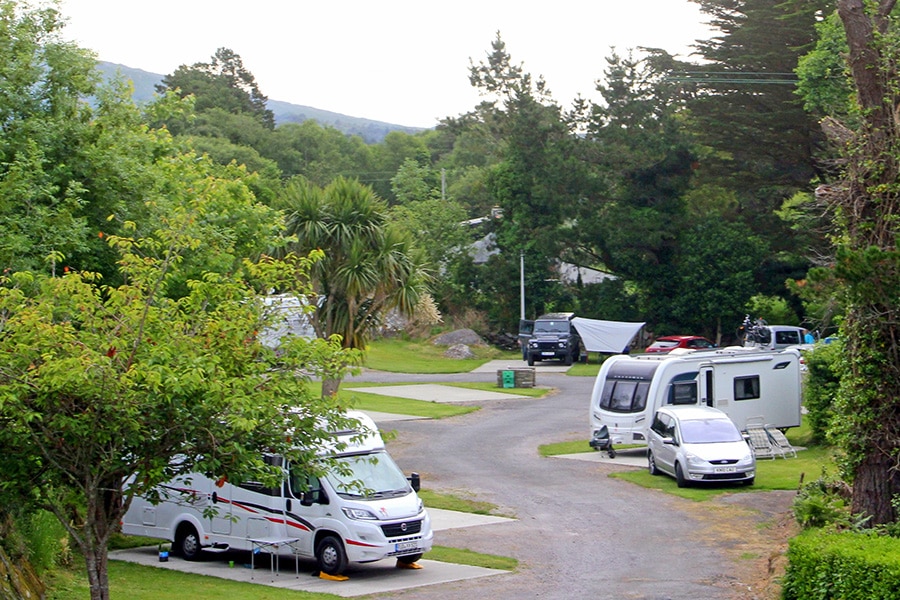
(98, 576)
(330, 386)
(868, 264)
(874, 486)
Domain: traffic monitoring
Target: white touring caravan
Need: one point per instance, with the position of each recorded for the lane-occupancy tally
(325, 518)
(745, 383)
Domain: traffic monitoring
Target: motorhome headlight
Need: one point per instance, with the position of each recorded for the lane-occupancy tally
(360, 514)
(421, 506)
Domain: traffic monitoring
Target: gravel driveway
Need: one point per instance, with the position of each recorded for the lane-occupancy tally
(580, 533)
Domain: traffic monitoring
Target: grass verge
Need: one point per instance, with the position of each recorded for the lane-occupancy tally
(423, 408)
(776, 474)
(397, 355)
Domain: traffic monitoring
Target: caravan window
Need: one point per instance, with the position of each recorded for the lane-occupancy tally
(624, 396)
(746, 388)
(683, 389)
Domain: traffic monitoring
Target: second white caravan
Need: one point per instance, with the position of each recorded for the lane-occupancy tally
(329, 518)
(743, 383)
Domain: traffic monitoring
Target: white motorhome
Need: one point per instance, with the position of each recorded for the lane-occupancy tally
(745, 383)
(366, 512)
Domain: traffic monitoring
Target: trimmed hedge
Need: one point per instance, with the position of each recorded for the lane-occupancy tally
(826, 565)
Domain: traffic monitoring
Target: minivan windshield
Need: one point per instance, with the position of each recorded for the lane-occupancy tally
(709, 431)
(373, 475)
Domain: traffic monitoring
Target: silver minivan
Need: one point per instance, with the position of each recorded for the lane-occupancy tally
(697, 444)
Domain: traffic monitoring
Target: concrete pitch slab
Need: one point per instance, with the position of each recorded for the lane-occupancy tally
(383, 417)
(433, 392)
(363, 579)
(451, 519)
(371, 578)
(629, 457)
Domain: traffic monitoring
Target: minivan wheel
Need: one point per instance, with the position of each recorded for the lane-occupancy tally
(651, 462)
(679, 476)
(331, 556)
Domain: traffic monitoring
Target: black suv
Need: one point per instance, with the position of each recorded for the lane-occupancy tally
(553, 337)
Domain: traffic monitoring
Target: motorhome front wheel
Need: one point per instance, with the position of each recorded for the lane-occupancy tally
(331, 556)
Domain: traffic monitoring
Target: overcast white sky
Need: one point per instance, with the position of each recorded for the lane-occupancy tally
(400, 61)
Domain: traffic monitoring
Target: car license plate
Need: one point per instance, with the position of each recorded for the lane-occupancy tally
(725, 469)
(547, 353)
(403, 546)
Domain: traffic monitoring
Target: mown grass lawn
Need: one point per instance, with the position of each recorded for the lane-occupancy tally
(771, 474)
(399, 355)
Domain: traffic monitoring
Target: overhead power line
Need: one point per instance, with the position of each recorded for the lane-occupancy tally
(734, 77)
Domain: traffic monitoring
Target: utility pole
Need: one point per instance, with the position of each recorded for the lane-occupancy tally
(522, 284)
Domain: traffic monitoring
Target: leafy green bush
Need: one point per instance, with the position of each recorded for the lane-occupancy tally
(820, 389)
(848, 565)
(822, 502)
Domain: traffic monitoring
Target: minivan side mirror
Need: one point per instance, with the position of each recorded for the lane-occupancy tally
(669, 441)
(415, 481)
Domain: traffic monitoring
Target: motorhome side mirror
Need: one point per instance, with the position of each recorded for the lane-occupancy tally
(415, 481)
(307, 498)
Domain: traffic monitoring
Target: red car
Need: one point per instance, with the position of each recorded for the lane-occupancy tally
(667, 343)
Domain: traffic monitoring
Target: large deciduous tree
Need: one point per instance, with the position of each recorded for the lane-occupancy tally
(102, 387)
(867, 261)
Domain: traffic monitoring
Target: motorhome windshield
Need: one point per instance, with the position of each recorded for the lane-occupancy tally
(373, 475)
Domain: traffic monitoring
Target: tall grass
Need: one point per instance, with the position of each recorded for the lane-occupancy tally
(46, 539)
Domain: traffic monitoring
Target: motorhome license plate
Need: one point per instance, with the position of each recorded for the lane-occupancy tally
(406, 546)
(726, 469)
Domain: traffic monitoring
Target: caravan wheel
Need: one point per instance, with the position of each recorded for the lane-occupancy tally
(331, 556)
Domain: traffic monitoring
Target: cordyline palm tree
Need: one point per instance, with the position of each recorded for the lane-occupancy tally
(369, 268)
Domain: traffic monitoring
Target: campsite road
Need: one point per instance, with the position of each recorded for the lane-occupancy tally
(577, 533)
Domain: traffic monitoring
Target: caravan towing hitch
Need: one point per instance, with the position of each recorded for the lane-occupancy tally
(602, 441)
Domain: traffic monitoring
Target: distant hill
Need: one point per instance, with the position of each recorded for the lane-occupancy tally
(372, 132)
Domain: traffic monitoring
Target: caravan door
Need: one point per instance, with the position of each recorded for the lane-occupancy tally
(707, 387)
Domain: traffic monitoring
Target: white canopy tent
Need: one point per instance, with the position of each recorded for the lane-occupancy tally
(606, 336)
